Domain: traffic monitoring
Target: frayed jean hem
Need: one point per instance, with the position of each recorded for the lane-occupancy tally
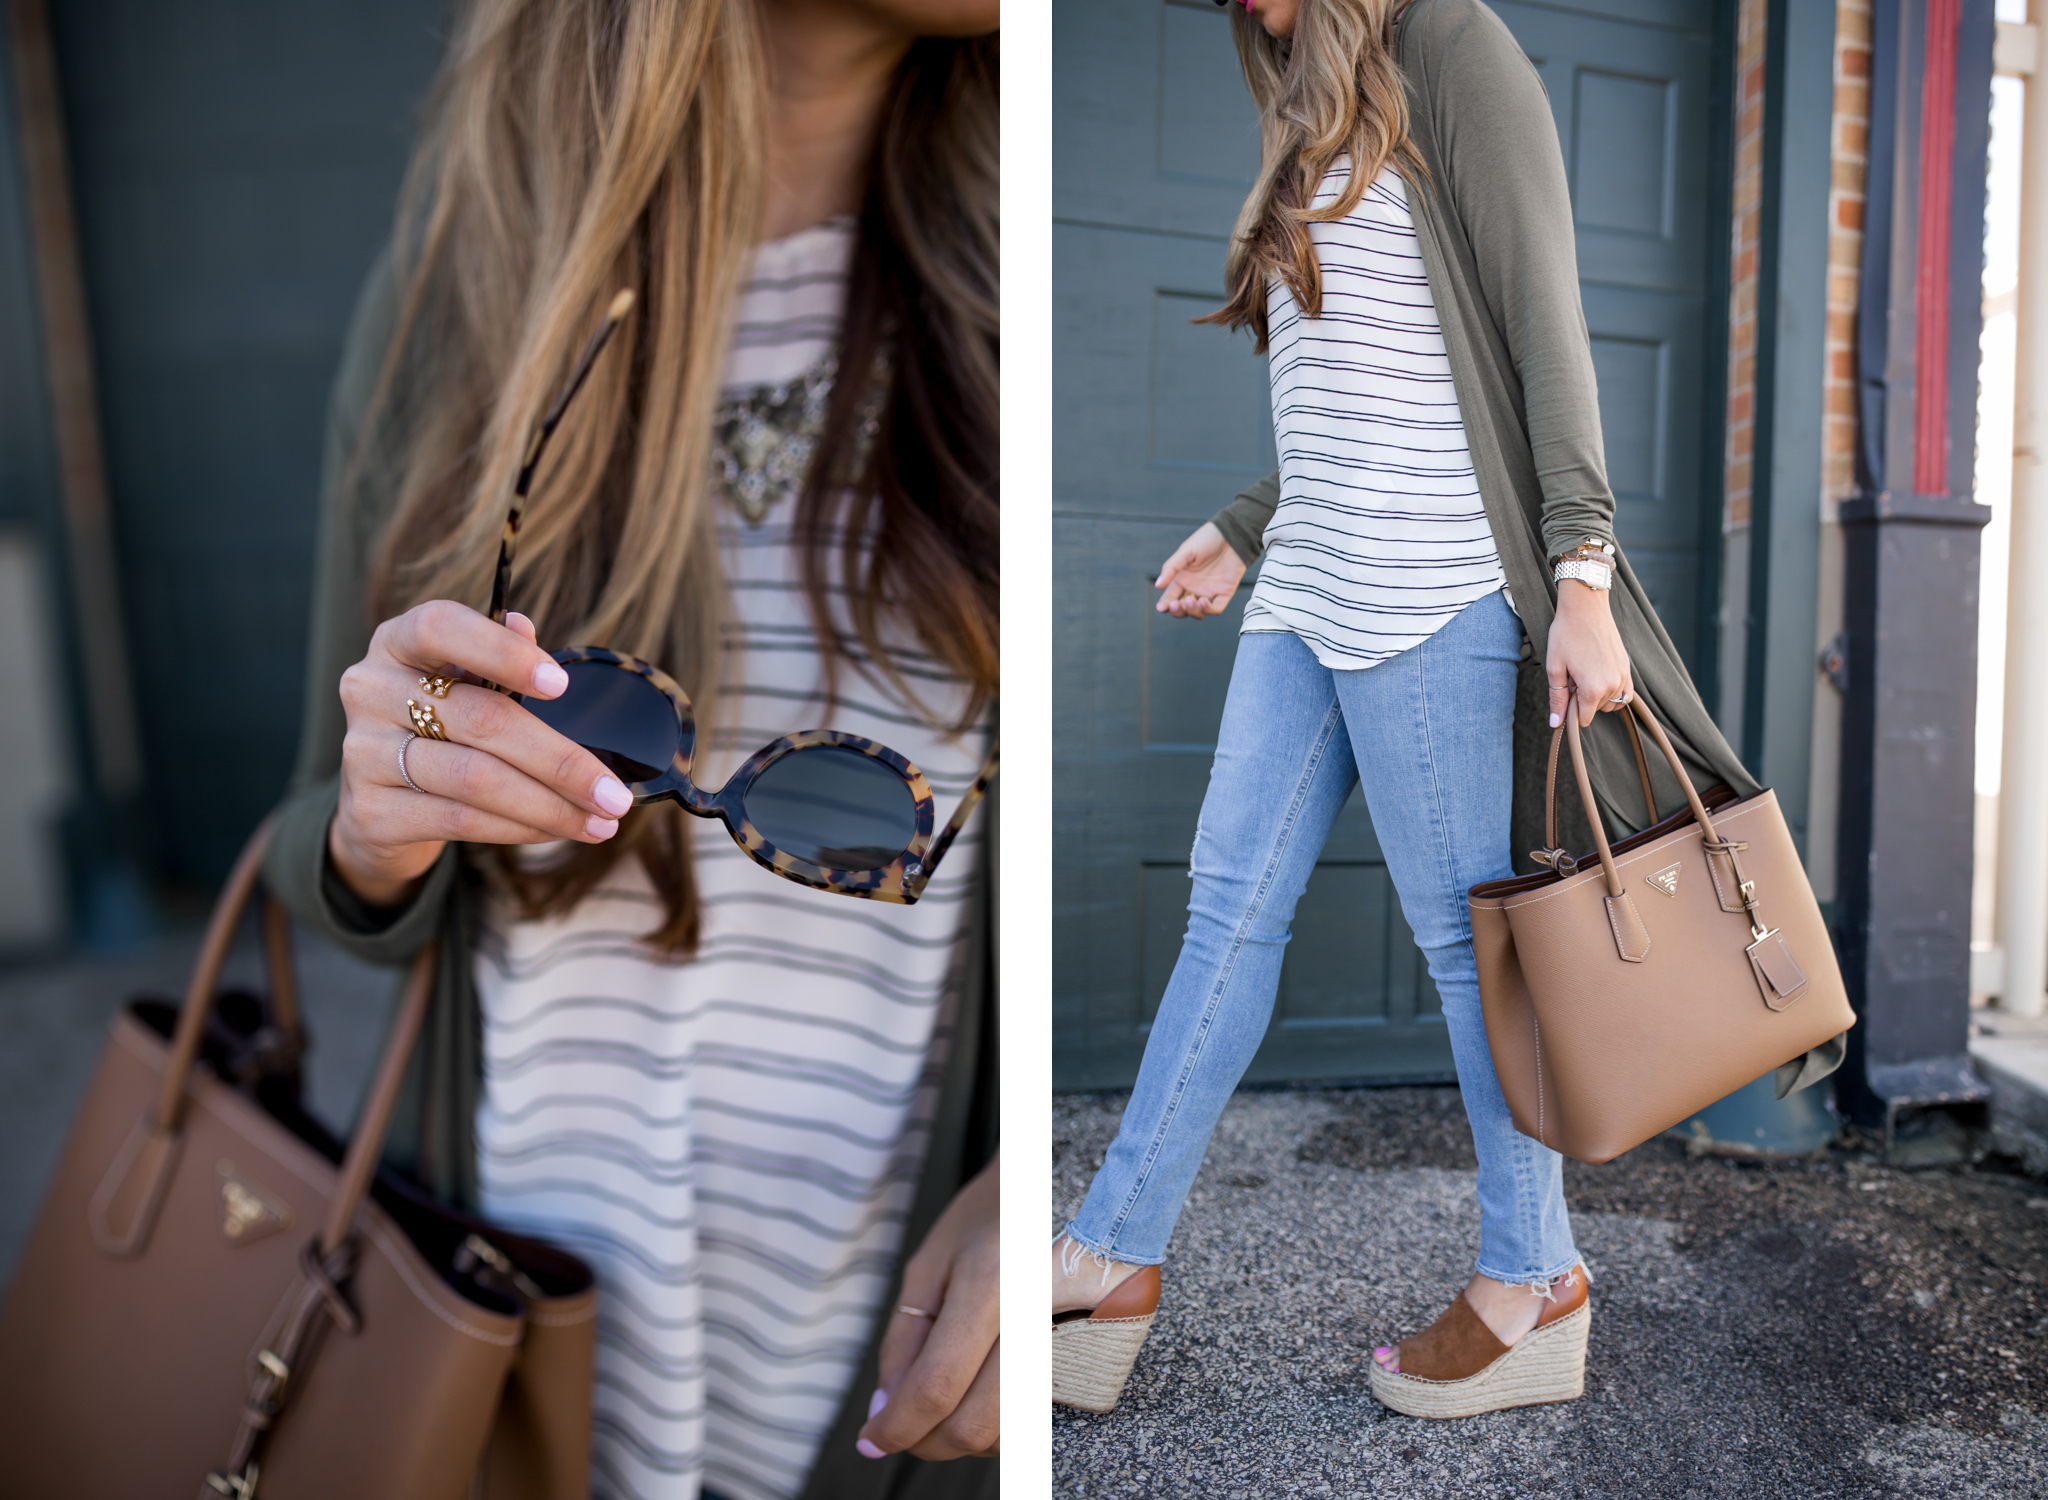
(1108, 1254)
(1543, 1279)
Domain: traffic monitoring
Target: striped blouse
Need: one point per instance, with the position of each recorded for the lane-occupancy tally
(1379, 538)
(733, 1142)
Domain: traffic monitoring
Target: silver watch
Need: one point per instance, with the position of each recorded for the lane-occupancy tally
(1594, 575)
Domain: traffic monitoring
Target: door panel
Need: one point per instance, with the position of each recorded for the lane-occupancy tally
(1158, 422)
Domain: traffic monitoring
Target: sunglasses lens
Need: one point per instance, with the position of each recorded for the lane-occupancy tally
(834, 806)
(617, 715)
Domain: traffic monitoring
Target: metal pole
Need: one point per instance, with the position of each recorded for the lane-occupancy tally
(67, 351)
(2022, 909)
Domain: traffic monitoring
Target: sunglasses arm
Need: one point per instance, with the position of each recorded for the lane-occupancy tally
(960, 816)
(537, 444)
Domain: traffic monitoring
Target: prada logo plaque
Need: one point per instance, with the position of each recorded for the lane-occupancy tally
(248, 1213)
(1665, 880)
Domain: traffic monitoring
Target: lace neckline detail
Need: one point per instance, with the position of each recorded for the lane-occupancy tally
(764, 439)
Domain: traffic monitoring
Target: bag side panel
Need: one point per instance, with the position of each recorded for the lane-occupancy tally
(540, 1447)
(1510, 1018)
(403, 1409)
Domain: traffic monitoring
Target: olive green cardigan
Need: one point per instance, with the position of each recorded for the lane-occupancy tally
(1494, 225)
(433, 1137)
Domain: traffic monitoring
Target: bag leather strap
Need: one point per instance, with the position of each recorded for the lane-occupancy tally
(1632, 939)
(124, 1209)
(1570, 730)
(1552, 853)
(204, 986)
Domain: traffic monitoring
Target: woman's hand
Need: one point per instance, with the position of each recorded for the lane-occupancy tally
(501, 777)
(1200, 577)
(1586, 652)
(941, 1376)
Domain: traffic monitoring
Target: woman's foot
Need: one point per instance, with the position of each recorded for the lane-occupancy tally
(1082, 1278)
(1508, 1311)
(1531, 1350)
(1102, 1309)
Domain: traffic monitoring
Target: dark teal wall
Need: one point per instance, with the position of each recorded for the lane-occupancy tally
(235, 165)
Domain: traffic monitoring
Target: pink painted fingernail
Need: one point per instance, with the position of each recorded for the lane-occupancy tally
(1555, 720)
(610, 794)
(549, 680)
(600, 828)
(876, 1402)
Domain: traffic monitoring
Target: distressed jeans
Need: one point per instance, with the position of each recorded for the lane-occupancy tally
(1429, 733)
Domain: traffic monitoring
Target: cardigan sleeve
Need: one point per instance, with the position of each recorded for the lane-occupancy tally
(1243, 520)
(1506, 181)
(296, 868)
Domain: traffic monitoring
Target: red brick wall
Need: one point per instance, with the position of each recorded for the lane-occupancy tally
(1845, 247)
(1748, 186)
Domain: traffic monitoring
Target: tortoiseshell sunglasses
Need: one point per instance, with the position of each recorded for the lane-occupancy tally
(828, 810)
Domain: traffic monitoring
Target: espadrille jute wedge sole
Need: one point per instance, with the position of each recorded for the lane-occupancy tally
(1544, 1364)
(1092, 1356)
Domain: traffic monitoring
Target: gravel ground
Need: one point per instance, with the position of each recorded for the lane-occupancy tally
(1827, 1328)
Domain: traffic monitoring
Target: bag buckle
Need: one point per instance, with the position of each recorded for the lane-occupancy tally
(240, 1486)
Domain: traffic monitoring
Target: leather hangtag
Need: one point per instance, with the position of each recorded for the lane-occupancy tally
(247, 1212)
(1778, 974)
(1631, 937)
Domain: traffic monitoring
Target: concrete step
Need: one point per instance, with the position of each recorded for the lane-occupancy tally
(2012, 1054)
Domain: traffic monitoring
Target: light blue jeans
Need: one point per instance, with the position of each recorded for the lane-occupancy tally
(1430, 734)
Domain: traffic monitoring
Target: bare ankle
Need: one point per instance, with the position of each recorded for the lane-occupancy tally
(1083, 1275)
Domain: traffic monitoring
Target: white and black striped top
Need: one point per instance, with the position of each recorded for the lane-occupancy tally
(1379, 538)
(733, 1142)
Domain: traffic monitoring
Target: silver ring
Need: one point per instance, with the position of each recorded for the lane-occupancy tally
(404, 745)
(915, 1312)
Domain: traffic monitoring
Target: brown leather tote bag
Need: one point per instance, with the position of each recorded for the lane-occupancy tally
(217, 1300)
(1623, 995)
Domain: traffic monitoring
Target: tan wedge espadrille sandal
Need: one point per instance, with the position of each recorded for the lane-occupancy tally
(1092, 1352)
(1457, 1368)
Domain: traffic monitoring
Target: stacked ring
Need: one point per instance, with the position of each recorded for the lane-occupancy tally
(438, 685)
(403, 774)
(423, 720)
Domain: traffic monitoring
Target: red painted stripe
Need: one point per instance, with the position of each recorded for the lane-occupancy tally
(1930, 279)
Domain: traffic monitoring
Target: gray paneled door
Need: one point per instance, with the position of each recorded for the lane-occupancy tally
(1159, 422)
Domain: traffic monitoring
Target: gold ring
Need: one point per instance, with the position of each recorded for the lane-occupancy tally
(915, 1312)
(423, 720)
(439, 685)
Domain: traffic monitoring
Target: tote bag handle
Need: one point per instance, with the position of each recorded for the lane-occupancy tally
(125, 1207)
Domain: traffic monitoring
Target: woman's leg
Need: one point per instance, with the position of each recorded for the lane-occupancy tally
(1432, 731)
(1283, 769)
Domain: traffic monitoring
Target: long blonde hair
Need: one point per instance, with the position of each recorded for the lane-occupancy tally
(573, 147)
(1331, 89)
